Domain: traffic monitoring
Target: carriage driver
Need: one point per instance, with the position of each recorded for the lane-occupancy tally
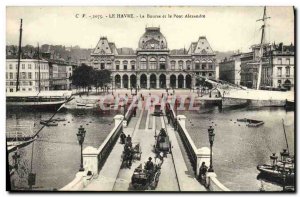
(149, 165)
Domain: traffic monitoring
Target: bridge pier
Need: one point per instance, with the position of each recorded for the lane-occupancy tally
(203, 155)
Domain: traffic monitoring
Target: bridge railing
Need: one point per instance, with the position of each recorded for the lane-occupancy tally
(94, 158)
(196, 156)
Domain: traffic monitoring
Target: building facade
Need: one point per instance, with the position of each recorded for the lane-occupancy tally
(277, 67)
(32, 74)
(153, 64)
(283, 68)
(229, 69)
(60, 73)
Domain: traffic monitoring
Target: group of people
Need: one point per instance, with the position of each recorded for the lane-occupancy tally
(128, 150)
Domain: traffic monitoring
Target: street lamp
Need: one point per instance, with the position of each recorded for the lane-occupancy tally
(211, 136)
(80, 138)
(273, 158)
(284, 155)
(136, 79)
(124, 105)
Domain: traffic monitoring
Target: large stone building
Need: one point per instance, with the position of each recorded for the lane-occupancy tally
(31, 70)
(229, 69)
(60, 73)
(153, 64)
(277, 67)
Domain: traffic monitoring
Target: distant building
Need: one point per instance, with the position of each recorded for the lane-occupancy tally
(153, 64)
(60, 73)
(277, 67)
(229, 69)
(283, 62)
(31, 70)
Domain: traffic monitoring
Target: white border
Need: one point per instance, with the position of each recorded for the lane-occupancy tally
(4, 3)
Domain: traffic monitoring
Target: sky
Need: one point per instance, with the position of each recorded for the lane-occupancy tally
(226, 28)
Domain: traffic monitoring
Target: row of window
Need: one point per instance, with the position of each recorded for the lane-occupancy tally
(162, 66)
(29, 66)
(26, 89)
(284, 61)
(287, 71)
(21, 83)
(26, 75)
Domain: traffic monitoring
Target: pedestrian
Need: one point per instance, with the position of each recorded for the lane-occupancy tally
(202, 172)
(169, 118)
(128, 140)
(122, 137)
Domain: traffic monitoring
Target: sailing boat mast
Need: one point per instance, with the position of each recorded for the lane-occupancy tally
(19, 56)
(262, 42)
(39, 68)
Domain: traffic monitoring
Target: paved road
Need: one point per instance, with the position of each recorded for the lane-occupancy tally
(167, 180)
(174, 172)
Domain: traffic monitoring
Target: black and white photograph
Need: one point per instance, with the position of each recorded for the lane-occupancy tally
(150, 98)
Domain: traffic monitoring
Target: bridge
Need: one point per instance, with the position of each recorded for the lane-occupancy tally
(179, 170)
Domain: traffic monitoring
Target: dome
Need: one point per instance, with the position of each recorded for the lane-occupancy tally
(153, 39)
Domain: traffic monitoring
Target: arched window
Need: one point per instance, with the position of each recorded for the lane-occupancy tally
(153, 63)
(162, 63)
(102, 65)
(197, 65)
(188, 65)
(180, 63)
(143, 63)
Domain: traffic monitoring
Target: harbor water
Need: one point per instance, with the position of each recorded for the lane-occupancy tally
(237, 148)
(56, 152)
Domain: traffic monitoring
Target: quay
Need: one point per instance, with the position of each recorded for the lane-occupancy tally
(180, 168)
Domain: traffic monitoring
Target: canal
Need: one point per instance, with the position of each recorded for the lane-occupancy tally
(56, 152)
(237, 148)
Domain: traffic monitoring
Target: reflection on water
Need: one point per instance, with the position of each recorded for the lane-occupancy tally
(56, 152)
(238, 149)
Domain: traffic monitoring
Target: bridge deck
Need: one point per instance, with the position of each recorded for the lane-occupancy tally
(174, 176)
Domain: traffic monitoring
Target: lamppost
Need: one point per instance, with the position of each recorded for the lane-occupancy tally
(124, 105)
(15, 157)
(284, 155)
(80, 138)
(136, 79)
(211, 136)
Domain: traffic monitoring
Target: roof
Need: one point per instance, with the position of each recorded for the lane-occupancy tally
(125, 51)
(178, 52)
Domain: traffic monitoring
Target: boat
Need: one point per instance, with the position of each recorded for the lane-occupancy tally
(251, 122)
(256, 97)
(58, 119)
(19, 136)
(290, 104)
(282, 170)
(46, 100)
(48, 123)
(15, 145)
(80, 104)
(276, 172)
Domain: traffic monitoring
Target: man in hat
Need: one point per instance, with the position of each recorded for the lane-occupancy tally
(149, 165)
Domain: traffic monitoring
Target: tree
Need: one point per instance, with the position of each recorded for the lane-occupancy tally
(82, 76)
(101, 78)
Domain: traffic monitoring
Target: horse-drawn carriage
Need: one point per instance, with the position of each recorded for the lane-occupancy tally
(158, 110)
(163, 143)
(143, 179)
(131, 152)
